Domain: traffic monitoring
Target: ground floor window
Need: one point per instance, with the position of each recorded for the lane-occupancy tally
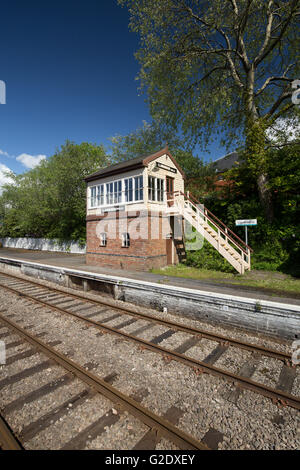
(125, 240)
(103, 239)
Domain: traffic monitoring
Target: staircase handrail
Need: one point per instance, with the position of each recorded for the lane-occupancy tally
(193, 200)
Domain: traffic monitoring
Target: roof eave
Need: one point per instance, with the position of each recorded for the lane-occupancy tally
(141, 164)
(114, 172)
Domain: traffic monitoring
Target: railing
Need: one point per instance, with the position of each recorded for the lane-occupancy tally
(221, 228)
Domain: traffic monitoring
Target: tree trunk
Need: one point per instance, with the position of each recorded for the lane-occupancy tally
(257, 161)
(265, 197)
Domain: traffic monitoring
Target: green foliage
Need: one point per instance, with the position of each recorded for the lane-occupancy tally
(277, 245)
(208, 67)
(208, 258)
(270, 256)
(50, 200)
(152, 137)
(220, 68)
(255, 152)
(145, 140)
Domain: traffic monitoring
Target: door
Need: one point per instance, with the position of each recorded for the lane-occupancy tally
(170, 242)
(170, 190)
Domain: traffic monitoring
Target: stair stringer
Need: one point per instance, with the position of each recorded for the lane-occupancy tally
(235, 259)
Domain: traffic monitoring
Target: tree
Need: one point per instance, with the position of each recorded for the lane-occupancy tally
(146, 140)
(222, 66)
(152, 137)
(50, 200)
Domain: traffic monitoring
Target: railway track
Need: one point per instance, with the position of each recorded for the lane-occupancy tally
(92, 383)
(8, 440)
(70, 304)
(55, 299)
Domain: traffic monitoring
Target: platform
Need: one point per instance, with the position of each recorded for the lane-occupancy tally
(74, 261)
(231, 305)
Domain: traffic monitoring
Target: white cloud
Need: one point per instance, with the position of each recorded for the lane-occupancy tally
(3, 177)
(30, 161)
(284, 130)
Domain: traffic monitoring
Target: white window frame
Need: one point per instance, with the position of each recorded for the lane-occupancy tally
(129, 190)
(100, 194)
(138, 188)
(125, 240)
(93, 196)
(151, 188)
(103, 239)
(155, 190)
(160, 189)
(113, 193)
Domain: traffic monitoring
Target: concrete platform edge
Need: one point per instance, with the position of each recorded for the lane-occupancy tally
(277, 319)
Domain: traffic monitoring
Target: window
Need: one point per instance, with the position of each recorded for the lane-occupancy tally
(160, 189)
(125, 240)
(93, 196)
(128, 190)
(155, 189)
(138, 181)
(97, 195)
(117, 192)
(114, 192)
(151, 188)
(100, 195)
(109, 193)
(103, 239)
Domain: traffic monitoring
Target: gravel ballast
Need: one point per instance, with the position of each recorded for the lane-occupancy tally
(249, 422)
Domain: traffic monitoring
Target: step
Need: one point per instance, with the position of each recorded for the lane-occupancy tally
(198, 219)
(212, 233)
(233, 254)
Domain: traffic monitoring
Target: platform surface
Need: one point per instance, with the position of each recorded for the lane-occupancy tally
(75, 261)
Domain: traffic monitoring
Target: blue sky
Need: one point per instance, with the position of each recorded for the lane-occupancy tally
(69, 71)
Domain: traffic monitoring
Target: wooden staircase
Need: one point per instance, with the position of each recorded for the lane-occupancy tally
(180, 249)
(224, 240)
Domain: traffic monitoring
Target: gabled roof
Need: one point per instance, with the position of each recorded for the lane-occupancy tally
(132, 164)
(227, 162)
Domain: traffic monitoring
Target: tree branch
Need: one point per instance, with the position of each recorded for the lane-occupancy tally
(284, 96)
(272, 79)
(238, 30)
(271, 42)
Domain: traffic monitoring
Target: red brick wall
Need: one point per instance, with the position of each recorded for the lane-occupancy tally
(143, 253)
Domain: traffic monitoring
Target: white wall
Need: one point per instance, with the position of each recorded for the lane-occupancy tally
(42, 244)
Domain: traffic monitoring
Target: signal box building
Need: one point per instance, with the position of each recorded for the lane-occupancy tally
(130, 224)
(137, 212)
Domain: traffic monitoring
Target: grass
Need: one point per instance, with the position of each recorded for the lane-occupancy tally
(277, 282)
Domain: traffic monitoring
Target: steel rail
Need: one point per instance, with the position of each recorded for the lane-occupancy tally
(150, 419)
(198, 366)
(8, 441)
(174, 325)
